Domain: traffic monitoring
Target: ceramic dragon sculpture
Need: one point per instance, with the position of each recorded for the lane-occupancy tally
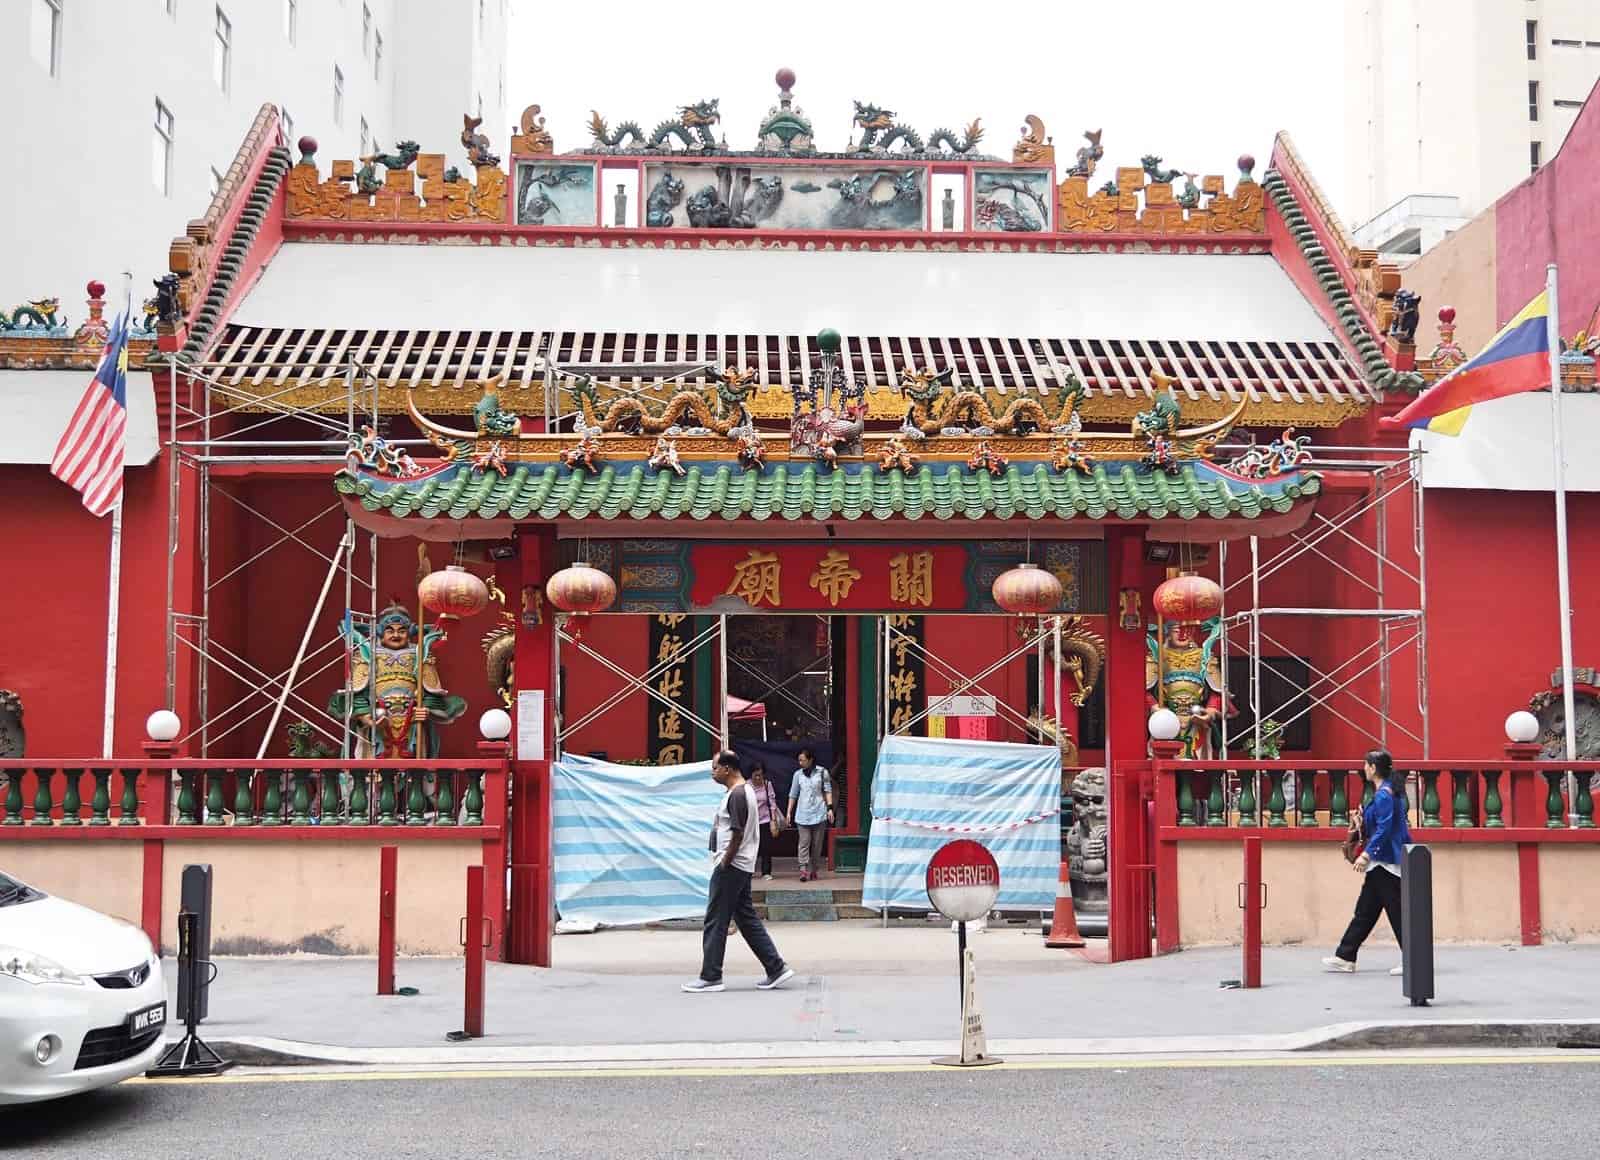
(692, 127)
(39, 313)
(1080, 659)
(879, 132)
(930, 413)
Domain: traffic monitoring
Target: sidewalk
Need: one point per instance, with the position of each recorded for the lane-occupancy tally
(860, 990)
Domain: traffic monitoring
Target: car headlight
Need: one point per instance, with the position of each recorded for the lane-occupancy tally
(34, 968)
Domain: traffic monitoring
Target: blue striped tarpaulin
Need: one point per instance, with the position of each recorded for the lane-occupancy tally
(993, 787)
(631, 840)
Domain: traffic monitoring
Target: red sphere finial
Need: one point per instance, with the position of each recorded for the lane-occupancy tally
(785, 79)
(1447, 314)
(1247, 163)
(308, 144)
(96, 289)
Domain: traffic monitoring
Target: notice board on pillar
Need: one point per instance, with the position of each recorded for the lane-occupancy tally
(630, 841)
(928, 790)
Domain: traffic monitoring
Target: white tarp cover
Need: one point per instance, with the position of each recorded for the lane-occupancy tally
(630, 841)
(1008, 794)
(1506, 444)
(37, 405)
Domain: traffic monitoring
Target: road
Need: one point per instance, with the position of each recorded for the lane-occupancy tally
(1332, 1108)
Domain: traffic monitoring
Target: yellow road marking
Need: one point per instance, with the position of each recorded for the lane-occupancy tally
(755, 1068)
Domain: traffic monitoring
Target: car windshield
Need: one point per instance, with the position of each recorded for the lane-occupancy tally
(13, 892)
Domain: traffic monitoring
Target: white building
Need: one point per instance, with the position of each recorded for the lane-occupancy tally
(124, 113)
(1451, 103)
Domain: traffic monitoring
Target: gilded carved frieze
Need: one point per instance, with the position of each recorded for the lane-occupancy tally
(413, 187)
(1148, 199)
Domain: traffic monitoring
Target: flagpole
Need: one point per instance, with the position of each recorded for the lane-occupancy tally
(113, 601)
(1553, 332)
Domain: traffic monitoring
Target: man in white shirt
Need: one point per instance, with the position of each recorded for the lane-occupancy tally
(735, 841)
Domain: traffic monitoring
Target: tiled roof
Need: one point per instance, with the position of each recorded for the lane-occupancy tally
(785, 491)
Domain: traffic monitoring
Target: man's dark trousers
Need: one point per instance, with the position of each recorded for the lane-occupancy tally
(730, 901)
(1380, 894)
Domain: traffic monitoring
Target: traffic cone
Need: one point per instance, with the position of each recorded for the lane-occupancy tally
(1064, 923)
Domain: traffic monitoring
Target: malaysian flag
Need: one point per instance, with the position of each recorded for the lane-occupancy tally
(90, 455)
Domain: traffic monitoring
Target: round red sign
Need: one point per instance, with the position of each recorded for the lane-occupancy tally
(963, 880)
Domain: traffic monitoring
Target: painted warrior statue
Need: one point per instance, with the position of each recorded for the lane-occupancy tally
(1183, 673)
(1086, 847)
(385, 682)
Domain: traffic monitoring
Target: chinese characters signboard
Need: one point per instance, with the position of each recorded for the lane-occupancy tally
(906, 689)
(829, 577)
(669, 731)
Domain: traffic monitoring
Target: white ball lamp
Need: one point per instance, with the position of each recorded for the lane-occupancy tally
(495, 725)
(162, 725)
(1522, 727)
(1164, 725)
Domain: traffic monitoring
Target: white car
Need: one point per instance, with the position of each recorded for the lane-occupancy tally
(82, 999)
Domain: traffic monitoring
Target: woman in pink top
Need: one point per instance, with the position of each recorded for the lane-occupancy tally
(767, 813)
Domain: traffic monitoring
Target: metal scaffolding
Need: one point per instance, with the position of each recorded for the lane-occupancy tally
(1392, 587)
(238, 431)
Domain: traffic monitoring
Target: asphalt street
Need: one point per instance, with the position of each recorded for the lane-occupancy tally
(1333, 1108)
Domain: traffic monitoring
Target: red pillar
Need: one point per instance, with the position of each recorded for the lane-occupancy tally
(1525, 803)
(1131, 853)
(532, 917)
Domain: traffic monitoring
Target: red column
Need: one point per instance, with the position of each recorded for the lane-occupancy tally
(1130, 878)
(1524, 803)
(532, 915)
(496, 863)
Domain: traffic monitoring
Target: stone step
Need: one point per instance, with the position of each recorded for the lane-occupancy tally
(812, 912)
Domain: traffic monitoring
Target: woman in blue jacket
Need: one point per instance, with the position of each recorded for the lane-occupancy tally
(1383, 822)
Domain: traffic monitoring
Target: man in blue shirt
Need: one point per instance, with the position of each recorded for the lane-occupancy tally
(810, 810)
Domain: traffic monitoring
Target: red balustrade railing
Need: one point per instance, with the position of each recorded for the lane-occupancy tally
(240, 795)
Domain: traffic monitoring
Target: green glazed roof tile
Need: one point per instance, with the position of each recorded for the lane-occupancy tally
(942, 491)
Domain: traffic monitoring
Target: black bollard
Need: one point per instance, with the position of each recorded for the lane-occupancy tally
(194, 897)
(1416, 924)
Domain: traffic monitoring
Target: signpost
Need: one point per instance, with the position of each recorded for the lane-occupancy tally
(963, 882)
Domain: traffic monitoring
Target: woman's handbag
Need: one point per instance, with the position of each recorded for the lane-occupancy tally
(1352, 841)
(778, 821)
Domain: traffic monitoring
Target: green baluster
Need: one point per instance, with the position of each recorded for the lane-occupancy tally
(358, 797)
(1430, 799)
(1247, 797)
(1585, 807)
(1185, 799)
(272, 800)
(472, 800)
(1461, 799)
(244, 798)
(42, 803)
(186, 798)
(130, 798)
(1339, 799)
(1554, 804)
(329, 812)
(302, 798)
(1216, 804)
(71, 803)
(386, 799)
(1275, 801)
(1491, 799)
(13, 797)
(447, 799)
(214, 779)
(100, 804)
(416, 800)
(1308, 796)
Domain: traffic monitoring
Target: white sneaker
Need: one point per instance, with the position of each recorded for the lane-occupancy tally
(775, 981)
(766, 878)
(701, 987)
(1400, 970)
(1337, 965)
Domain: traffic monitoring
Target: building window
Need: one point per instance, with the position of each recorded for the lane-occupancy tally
(377, 56)
(1533, 100)
(480, 106)
(1567, 104)
(1559, 43)
(161, 150)
(364, 137)
(366, 30)
(1534, 150)
(222, 51)
(480, 19)
(45, 35)
(338, 95)
(288, 125)
(291, 19)
(170, 7)
(1533, 39)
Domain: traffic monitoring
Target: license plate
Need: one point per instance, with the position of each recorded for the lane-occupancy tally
(141, 1021)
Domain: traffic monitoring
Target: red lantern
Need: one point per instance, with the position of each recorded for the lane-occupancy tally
(581, 588)
(1190, 599)
(453, 593)
(1027, 590)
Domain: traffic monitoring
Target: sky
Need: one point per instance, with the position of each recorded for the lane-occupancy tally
(1196, 83)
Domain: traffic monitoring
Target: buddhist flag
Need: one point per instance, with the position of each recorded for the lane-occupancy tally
(1516, 360)
(90, 455)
